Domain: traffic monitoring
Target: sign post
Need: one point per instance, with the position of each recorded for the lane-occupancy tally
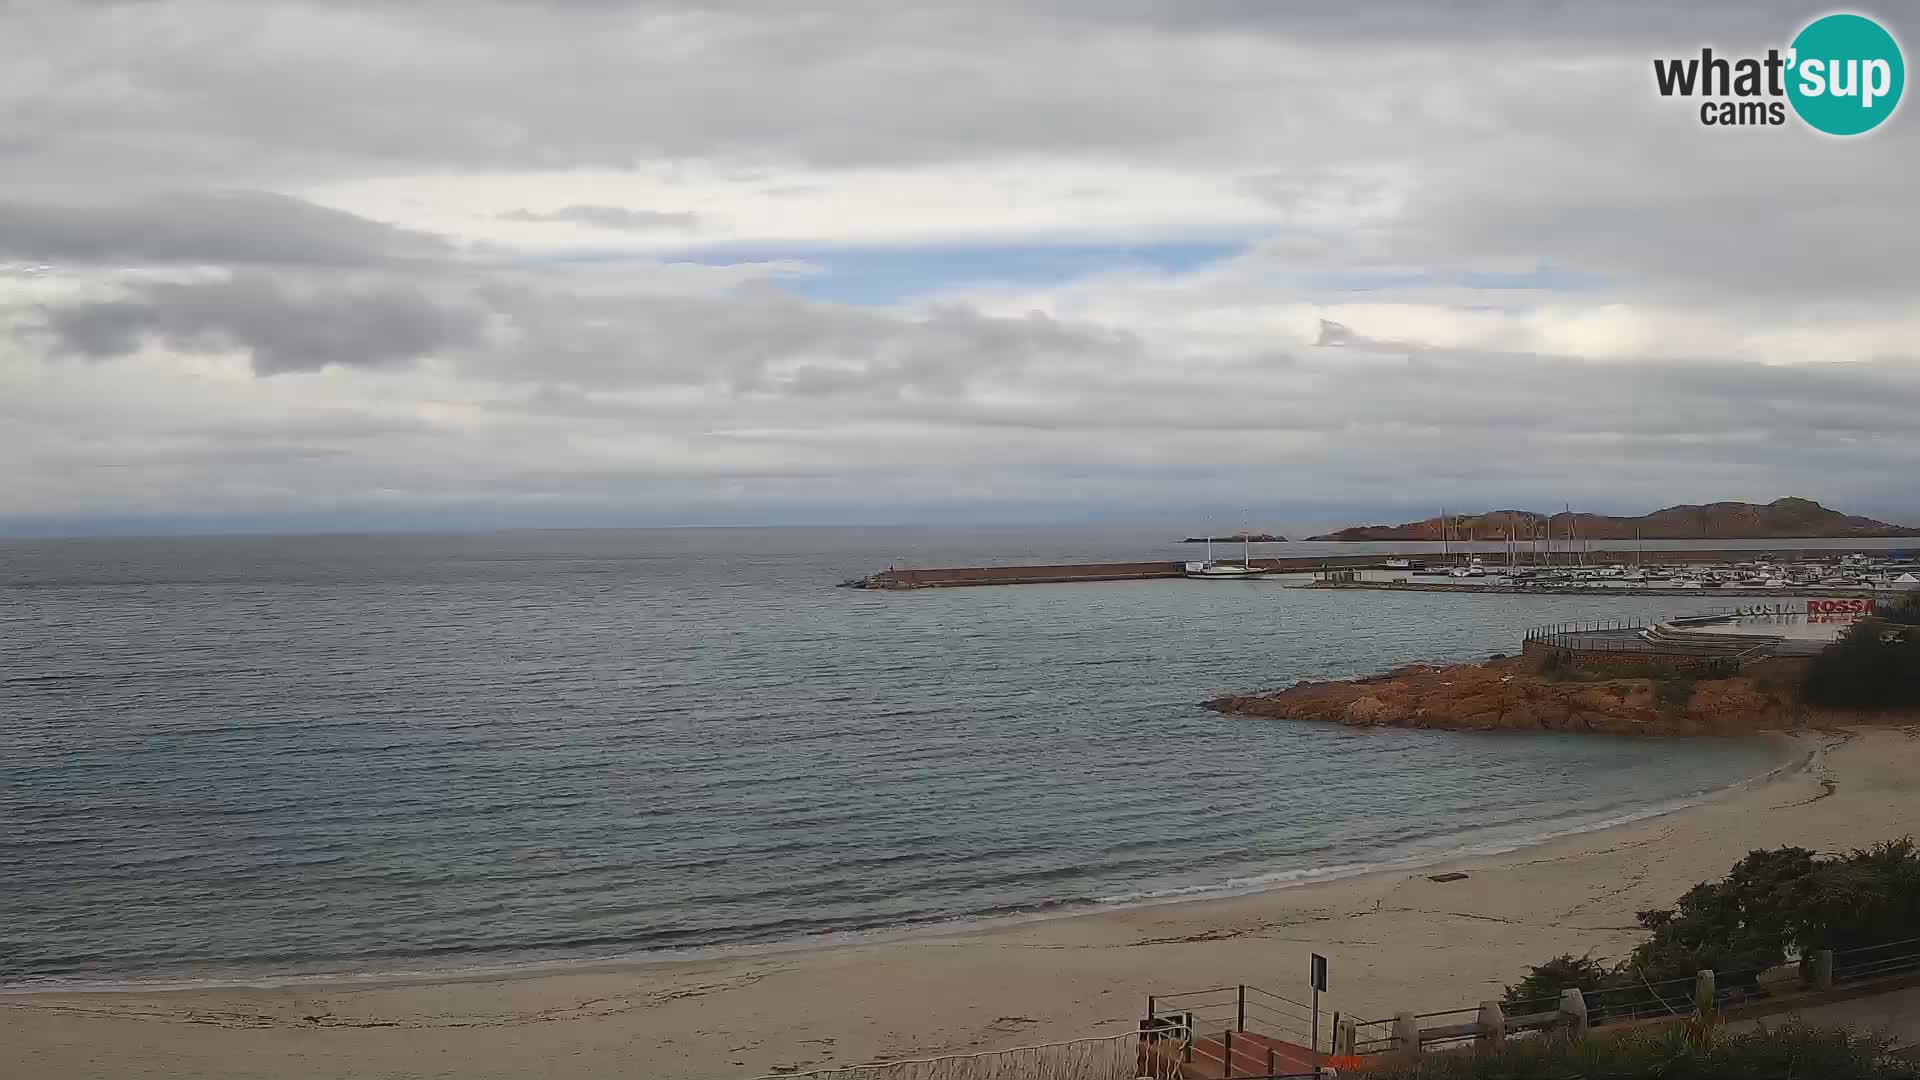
(1318, 974)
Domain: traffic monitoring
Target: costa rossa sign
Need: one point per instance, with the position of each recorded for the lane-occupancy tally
(1843, 610)
(1854, 605)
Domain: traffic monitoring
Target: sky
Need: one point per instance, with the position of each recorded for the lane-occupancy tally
(496, 263)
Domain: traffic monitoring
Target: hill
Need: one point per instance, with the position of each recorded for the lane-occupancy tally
(1781, 518)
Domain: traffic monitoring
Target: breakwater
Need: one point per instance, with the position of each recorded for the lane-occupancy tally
(959, 576)
(954, 576)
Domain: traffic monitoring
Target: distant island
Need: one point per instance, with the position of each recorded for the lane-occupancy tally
(1779, 519)
(1237, 538)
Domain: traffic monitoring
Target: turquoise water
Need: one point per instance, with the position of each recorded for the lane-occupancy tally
(241, 758)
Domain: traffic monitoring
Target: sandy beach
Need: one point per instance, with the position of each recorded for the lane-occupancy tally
(1396, 940)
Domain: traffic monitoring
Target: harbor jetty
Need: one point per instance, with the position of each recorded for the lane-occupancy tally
(959, 576)
(953, 576)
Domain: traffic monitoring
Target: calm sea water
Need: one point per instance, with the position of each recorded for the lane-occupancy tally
(258, 757)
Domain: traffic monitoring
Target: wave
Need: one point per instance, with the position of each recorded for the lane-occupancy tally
(461, 964)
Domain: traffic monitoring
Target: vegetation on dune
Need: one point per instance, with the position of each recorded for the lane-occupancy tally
(1874, 665)
(1767, 1054)
(1770, 903)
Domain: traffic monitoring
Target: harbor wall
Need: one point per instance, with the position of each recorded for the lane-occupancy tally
(955, 576)
(952, 576)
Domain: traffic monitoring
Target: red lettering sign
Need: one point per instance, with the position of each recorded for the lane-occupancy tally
(1850, 606)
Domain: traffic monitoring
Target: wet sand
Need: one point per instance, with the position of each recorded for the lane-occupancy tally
(1396, 940)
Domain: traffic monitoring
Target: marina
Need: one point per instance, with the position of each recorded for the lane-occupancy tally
(1729, 571)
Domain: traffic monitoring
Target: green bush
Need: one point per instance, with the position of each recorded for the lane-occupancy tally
(1874, 665)
(1767, 1054)
(1770, 902)
(1543, 985)
(1674, 691)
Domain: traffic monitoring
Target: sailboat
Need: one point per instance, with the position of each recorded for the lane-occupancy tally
(1211, 570)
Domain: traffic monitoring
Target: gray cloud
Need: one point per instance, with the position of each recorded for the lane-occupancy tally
(219, 227)
(544, 86)
(610, 217)
(767, 343)
(1399, 142)
(283, 328)
(1016, 411)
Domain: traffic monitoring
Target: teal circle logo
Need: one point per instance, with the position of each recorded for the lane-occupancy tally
(1845, 74)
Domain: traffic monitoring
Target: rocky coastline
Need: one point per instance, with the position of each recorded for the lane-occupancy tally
(1511, 694)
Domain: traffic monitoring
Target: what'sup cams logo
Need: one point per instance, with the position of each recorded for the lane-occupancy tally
(1842, 75)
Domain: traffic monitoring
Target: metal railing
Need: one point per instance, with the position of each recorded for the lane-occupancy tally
(1714, 655)
(1243, 1031)
(1458, 1026)
(1374, 1037)
(1236, 1008)
(1718, 612)
(1583, 635)
(1876, 961)
(1151, 1054)
(1553, 633)
(1668, 997)
(1675, 998)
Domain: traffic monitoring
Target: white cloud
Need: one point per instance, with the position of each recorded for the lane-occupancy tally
(301, 258)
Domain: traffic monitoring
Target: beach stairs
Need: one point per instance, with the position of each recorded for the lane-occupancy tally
(1231, 1032)
(1249, 1053)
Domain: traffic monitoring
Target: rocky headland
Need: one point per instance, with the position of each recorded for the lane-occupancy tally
(1779, 519)
(1507, 694)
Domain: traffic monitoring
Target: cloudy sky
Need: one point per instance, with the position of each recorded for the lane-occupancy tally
(567, 262)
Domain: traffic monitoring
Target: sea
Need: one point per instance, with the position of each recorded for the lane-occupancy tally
(253, 759)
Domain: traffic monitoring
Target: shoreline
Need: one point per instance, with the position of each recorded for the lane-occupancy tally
(1798, 760)
(1396, 940)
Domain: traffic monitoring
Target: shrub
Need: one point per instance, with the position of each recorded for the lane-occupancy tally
(1874, 665)
(1737, 926)
(1674, 691)
(1770, 902)
(1866, 897)
(1765, 1054)
(1545, 982)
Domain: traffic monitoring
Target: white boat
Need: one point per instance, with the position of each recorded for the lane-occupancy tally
(1216, 571)
(1212, 570)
